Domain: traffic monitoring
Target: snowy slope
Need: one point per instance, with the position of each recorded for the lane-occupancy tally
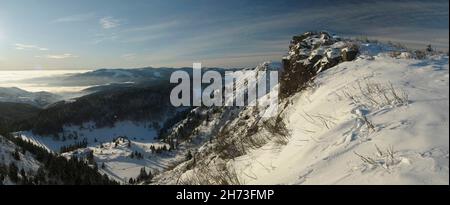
(26, 162)
(328, 129)
(116, 159)
(118, 164)
(137, 131)
(381, 119)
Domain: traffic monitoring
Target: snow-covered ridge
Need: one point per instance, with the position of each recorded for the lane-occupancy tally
(380, 119)
(10, 154)
(344, 131)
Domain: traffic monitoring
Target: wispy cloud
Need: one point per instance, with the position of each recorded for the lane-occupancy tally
(139, 34)
(142, 38)
(74, 18)
(150, 32)
(232, 38)
(20, 46)
(267, 37)
(58, 56)
(103, 37)
(129, 56)
(155, 27)
(109, 22)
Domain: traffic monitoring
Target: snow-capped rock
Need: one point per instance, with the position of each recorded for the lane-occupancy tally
(311, 53)
(375, 120)
(338, 135)
(350, 113)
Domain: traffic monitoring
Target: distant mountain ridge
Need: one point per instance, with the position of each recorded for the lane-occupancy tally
(38, 99)
(99, 77)
(349, 112)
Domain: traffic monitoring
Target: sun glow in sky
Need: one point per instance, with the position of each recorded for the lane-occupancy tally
(86, 34)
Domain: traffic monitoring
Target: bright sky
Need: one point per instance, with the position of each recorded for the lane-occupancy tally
(89, 34)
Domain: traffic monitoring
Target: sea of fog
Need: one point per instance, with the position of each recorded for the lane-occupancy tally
(23, 79)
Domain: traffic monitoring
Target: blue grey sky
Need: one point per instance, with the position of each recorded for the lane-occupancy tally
(90, 34)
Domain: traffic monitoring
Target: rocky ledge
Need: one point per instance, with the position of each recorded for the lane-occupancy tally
(310, 54)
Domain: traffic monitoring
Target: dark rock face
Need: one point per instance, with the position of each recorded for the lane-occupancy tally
(310, 54)
(349, 53)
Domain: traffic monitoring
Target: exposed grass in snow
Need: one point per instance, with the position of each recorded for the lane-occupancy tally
(337, 125)
(327, 134)
(385, 159)
(376, 95)
(278, 129)
(219, 174)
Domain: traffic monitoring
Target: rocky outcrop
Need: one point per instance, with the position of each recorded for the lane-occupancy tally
(310, 54)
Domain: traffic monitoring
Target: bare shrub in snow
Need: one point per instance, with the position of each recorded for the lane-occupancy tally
(277, 127)
(228, 147)
(253, 141)
(378, 95)
(369, 123)
(384, 159)
(420, 54)
(319, 120)
(218, 174)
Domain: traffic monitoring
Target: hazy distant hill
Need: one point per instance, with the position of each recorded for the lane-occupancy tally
(108, 76)
(105, 108)
(349, 112)
(17, 95)
(101, 77)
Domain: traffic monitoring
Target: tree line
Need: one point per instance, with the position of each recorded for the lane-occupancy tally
(54, 170)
